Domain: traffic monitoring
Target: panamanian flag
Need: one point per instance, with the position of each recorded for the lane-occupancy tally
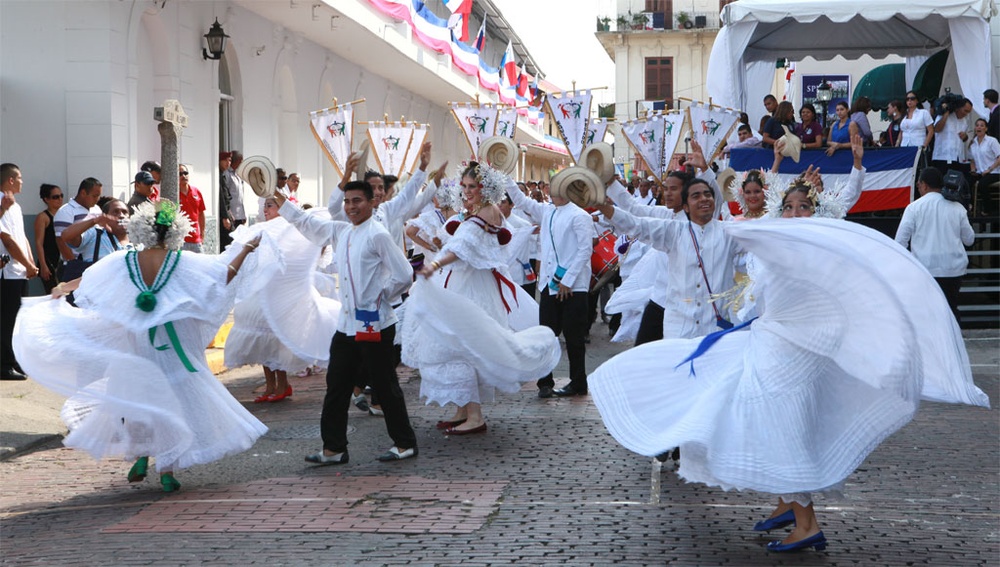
(888, 172)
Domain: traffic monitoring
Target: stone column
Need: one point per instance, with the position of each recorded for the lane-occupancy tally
(172, 120)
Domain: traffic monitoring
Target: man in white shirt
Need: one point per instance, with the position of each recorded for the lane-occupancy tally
(951, 133)
(372, 269)
(567, 238)
(937, 231)
(18, 267)
(701, 259)
(79, 209)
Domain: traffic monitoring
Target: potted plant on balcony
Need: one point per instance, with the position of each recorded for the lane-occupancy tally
(622, 22)
(639, 21)
(604, 24)
(684, 20)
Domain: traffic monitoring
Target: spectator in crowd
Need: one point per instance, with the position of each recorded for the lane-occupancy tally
(840, 130)
(154, 169)
(193, 205)
(916, 126)
(770, 104)
(809, 131)
(859, 119)
(143, 191)
(18, 268)
(937, 231)
(745, 137)
(984, 152)
(47, 246)
(951, 132)
(990, 97)
(96, 236)
(79, 209)
(784, 115)
(893, 134)
(227, 190)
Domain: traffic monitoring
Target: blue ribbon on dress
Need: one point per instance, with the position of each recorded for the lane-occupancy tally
(707, 342)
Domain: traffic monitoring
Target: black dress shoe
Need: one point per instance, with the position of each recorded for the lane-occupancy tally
(12, 374)
(569, 390)
(545, 392)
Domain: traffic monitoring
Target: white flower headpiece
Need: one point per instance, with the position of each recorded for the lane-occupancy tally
(768, 178)
(142, 226)
(494, 183)
(449, 194)
(828, 202)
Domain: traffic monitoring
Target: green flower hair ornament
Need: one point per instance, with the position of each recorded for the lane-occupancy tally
(166, 213)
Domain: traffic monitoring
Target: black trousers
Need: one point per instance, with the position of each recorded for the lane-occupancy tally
(11, 292)
(651, 324)
(951, 287)
(347, 358)
(568, 317)
(224, 235)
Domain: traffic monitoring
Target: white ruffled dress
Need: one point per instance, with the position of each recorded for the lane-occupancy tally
(134, 390)
(287, 326)
(462, 337)
(837, 362)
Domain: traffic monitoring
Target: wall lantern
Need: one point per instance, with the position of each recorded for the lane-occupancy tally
(216, 39)
(824, 94)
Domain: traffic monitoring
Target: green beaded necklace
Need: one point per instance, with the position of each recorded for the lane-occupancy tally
(146, 300)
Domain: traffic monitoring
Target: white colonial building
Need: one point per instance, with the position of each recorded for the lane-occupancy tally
(80, 80)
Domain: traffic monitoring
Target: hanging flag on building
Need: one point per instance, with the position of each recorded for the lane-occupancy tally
(711, 126)
(333, 128)
(477, 122)
(522, 85)
(390, 142)
(459, 20)
(571, 113)
(508, 66)
(481, 36)
(506, 122)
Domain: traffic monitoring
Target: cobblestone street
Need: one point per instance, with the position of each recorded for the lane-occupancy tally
(546, 485)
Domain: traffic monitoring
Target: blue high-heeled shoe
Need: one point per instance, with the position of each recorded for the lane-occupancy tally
(818, 541)
(775, 522)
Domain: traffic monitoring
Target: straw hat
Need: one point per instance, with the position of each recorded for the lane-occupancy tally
(579, 185)
(500, 153)
(793, 144)
(260, 174)
(359, 173)
(599, 158)
(725, 179)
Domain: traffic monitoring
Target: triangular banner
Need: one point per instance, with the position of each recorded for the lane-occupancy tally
(596, 130)
(506, 122)
(477, 123)
(334, 130)
(646, 138)
(419, 135)
(673, 130)
(572, 116)
(390, 141)
(711, 126)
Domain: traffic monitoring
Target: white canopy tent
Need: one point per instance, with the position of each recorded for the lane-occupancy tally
(756, 33)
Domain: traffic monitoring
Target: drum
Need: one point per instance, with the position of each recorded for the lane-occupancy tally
(603, 262)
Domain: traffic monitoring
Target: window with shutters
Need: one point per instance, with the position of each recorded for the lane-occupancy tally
(665, 9)
(660, 79)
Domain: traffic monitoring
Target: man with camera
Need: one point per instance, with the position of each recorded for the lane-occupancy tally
(937, 230)
(18, 268)
(951, 134)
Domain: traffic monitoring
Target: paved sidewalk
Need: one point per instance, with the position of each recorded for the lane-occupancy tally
(546, 485)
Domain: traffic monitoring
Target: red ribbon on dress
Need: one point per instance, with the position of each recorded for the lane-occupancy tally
(501, 281)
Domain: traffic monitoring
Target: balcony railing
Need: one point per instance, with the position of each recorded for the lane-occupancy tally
(678, 20)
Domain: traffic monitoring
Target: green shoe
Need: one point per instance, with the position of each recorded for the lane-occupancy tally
(169, 483)
(138, 471)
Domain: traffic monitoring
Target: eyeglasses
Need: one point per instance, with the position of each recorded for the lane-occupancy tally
(184, 173)
(911, 98)
(282, 178)
(59, 196)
